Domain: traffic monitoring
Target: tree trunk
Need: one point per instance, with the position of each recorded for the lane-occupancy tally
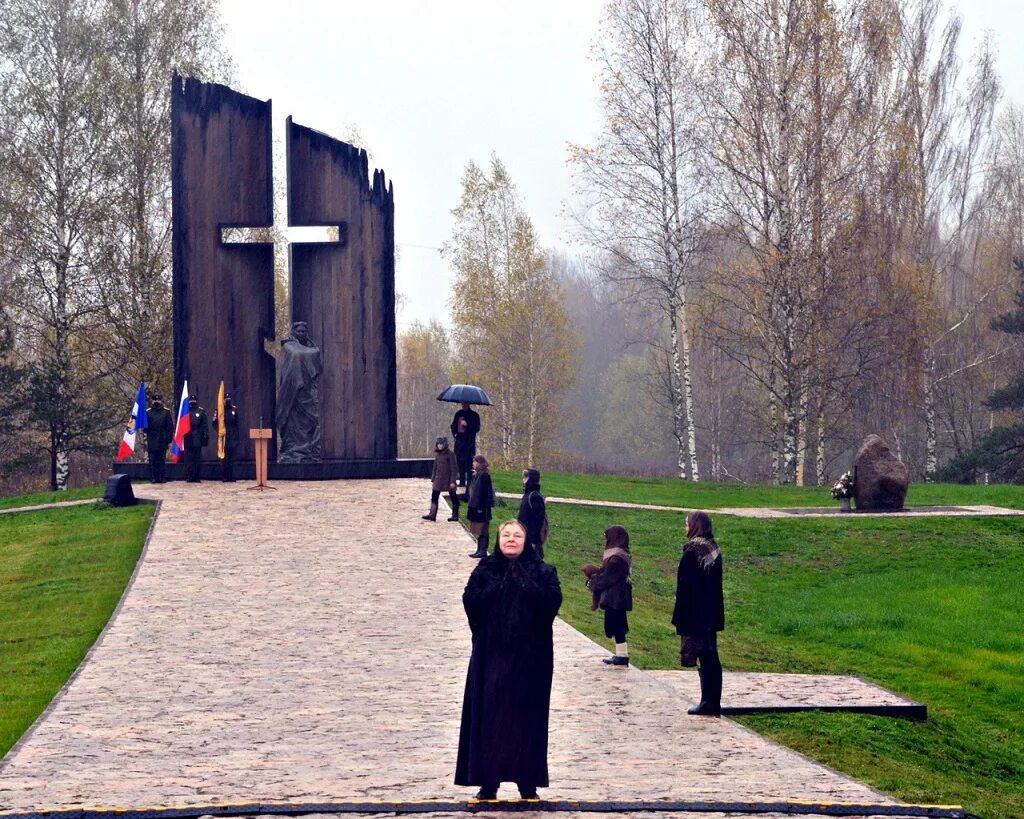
(931, 458)
(819, 462)
(676, 395)
(691, 429)
(532, 419)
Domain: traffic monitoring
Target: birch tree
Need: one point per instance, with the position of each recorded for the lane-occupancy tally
(424, 369)
(56, 121)
(511, 331)
(83, 113)
(148, 39)
(641, 183)
(941, 134)
(786, 89)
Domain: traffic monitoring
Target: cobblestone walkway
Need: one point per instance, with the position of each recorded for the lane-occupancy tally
(309, 644)
(753, 691)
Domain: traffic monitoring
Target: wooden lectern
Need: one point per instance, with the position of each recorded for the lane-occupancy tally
(261, 437)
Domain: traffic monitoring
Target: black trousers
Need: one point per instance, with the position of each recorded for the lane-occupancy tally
(193, 464)
(616, 624)
(228, 466)
(709, 668)
(464, 458)
(435, 496)
(158, 465)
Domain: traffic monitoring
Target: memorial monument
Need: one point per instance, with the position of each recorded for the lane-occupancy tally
(333, 403)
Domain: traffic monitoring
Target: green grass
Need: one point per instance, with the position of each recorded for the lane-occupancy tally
(707, 495)
(62, 572)
(52, 497)
(930, 608)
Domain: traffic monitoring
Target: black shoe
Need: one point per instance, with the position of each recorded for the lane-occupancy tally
(486, 794)
(428, 517)
(526, 792)
(706, 709)
(478, 554)
(454, 518)
(616, 660)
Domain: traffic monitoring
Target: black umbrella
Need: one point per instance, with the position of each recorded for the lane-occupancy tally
(465, 394)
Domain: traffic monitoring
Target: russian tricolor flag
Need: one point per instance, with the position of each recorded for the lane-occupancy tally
(183, 426)
(139, 420)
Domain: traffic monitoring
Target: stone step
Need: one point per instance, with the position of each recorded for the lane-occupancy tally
(746, 692)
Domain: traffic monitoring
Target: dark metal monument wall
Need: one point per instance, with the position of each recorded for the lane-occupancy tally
(346, 291)
(224, 293)
(221, 159)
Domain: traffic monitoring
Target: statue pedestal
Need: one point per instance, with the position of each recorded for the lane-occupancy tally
(261, 438)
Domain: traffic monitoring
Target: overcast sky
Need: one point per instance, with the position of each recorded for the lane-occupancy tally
(431, 85)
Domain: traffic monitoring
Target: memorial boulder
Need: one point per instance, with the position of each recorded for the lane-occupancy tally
(880, 478)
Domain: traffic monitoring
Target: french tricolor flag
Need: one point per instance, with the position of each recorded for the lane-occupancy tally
(139, 420)
(183, 426)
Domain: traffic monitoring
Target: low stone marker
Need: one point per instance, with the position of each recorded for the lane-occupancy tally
(880, 478)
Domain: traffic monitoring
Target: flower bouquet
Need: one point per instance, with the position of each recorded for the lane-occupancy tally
(842, 489)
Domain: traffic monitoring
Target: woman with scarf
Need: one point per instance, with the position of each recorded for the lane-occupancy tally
(611, 589)
(532, 511)
(511, 600)
(480, 500)
(700, 611)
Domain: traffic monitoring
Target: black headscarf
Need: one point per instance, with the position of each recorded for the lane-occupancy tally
(532, 481)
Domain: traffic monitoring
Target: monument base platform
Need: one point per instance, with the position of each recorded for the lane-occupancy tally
(322, 471)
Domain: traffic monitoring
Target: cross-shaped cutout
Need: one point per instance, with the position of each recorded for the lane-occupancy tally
(281, 234)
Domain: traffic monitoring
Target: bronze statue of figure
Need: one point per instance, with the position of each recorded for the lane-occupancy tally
(299, 365)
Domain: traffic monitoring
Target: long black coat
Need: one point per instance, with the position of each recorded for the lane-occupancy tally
(480, 498)
(160, 431)
(532, 509)
(465, 442)
(231, 425)
(198, 435)
(700, 604)
(510, 605)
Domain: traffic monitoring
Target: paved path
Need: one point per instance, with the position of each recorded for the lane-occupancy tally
(748, 692)
(792, 512)
(309, 644)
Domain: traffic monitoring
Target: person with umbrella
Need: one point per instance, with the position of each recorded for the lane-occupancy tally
(465, 426)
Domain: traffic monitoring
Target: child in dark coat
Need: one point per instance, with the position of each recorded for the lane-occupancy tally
(612, 590)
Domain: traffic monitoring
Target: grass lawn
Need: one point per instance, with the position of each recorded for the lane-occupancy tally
(930, 608)
(707, 495)
(62, 572)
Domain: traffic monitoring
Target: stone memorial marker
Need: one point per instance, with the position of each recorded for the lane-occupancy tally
(880, 478)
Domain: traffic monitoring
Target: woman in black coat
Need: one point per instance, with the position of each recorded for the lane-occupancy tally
(480, 500)
(511, 600)
(532, 511)
(700, 611)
